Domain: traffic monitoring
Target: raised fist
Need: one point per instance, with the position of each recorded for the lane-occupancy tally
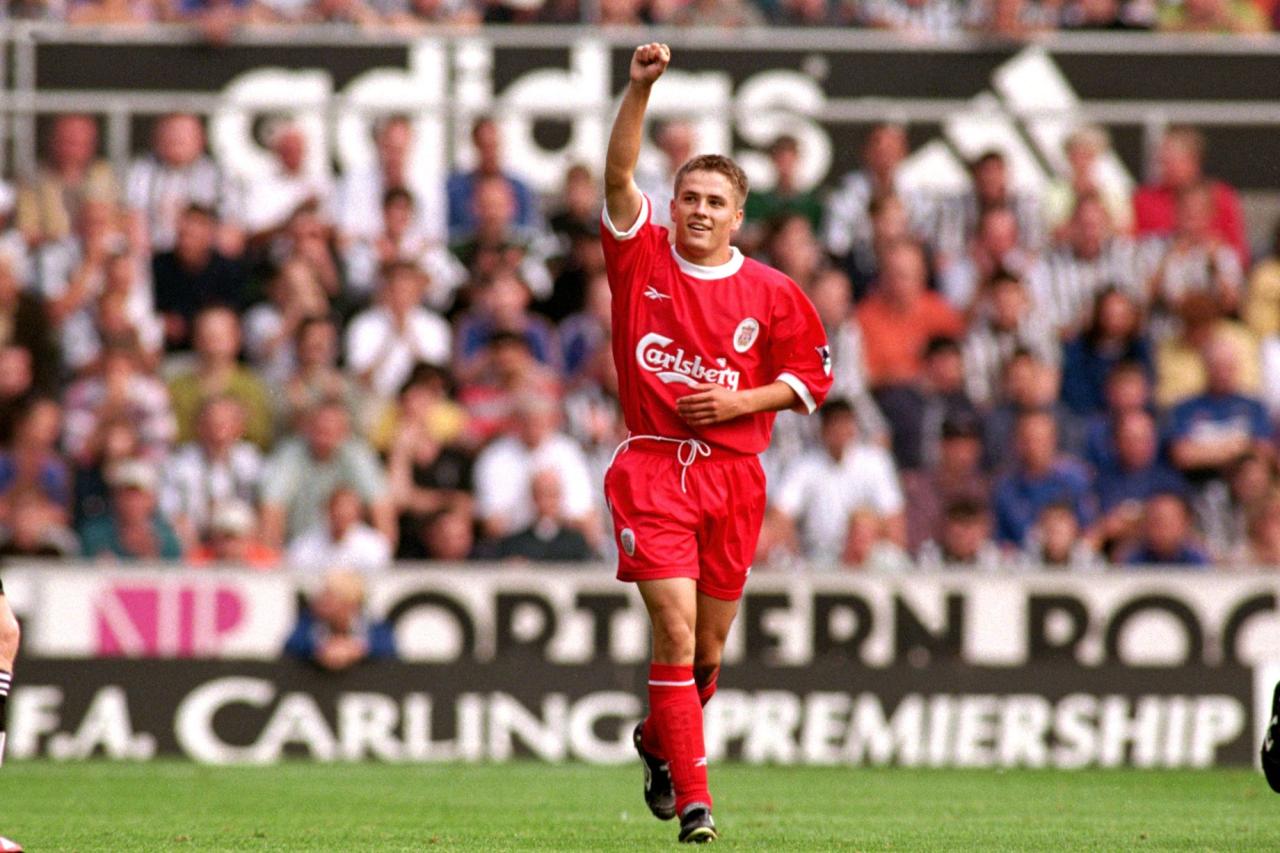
(649, 61)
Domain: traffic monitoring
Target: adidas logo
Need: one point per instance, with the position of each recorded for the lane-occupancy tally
(1028, 114)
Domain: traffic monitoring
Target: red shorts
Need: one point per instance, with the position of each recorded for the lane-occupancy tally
(707, 531)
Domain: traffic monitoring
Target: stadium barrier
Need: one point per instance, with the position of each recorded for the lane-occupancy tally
(1140, 669)
(554, 90)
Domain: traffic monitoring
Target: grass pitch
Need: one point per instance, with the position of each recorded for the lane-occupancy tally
(176, 806)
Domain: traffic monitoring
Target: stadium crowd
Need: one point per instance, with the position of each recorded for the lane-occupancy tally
(311, 371)
(920, 19)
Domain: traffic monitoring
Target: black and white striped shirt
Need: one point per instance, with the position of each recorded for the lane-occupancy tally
(161, 192)
(1065, 285)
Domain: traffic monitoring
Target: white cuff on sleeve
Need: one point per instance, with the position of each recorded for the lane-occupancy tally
(641, 218)
(802, 391)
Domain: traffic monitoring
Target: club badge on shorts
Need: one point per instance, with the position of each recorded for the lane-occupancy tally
(628, 538)
(745, 335)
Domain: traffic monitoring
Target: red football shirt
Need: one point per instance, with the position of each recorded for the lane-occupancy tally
(675, 324)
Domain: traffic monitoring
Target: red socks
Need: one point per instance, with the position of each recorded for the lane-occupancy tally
(707, 689)
(649, 735)
(674, 725)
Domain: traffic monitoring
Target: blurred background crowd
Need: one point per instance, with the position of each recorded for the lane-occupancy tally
(923, 19)
(317, 370)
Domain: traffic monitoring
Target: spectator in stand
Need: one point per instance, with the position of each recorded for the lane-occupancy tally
(993, 252)
(384, 342)
(574, 270)
(218, 467)
(810, 13)
(965, 542)
(577, 208)
(402, 240)
(1262, 550)
(1085, 149)
(1108, 15)
(399, 166)
(900, 316)
(1030, 385)
(1115, 335)
(114, 319)
(957, 475)
(173, 176)
(305, 470)
(847, 220)
(549, 539)
(1168, 538)
(486, 141)
(116, 441)
(335, 632)
(424, 410)
(1223, 17)
(447, 535)
(232, 541)
(889, 225)
(785, 196)
(504, 471)
(271, 328)
(1005, 322)
(718, 13)
(793, 249)
(341, 540)
(1262, 314)
(1057, 543)
(112, 12)
(426, 468)
(134, 529)
(1138, 474)
(122, 389)
(508, 372)
(36, 527)
(32, 464)
(868, 545)
(1222, 508)
(918, 20)
(831, 295)
(959, 217)
(353, 12)
(677, 142)
(72, 172)
(14, 245)
(25, 324)
(216, 371)
(414, 15)
(1180, 366)
(317, 377)
(1128, 389)
(17, 389)
(1012, 20)
(820, 491)
(916, 412)
(1092, 257)
(1038, 477)
(1212, 431)
(502, 305)
(498, 242)
(584, 335)
(1179, 162)
(1195, 259)
(193, 276)
(294, 178)
(310, 238)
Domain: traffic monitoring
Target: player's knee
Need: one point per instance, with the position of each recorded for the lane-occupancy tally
(672, 638)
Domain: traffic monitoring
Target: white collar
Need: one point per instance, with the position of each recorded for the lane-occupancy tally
(728, 268)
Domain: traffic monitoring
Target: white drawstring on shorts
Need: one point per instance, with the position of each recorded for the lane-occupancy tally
(687, 452)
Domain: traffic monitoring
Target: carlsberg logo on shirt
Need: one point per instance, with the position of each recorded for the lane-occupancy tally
(653, 355)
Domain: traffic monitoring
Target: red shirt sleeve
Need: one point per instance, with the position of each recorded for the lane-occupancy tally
(629, 252)
(1230, 220)
(798, 347)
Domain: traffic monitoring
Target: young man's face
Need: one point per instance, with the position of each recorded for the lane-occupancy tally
(706, 213)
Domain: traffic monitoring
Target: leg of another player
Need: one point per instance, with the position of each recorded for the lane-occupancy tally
(8, 654)
(715, 617)
(675, 714)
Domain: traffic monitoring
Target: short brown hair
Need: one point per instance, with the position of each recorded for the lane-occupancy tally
(720, 164)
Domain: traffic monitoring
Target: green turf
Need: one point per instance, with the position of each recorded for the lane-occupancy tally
(179, 806)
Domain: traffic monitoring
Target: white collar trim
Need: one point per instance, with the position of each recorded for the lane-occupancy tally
(728, 268)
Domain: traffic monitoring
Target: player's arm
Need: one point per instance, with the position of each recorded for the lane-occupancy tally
(713, 404)
(622, 198)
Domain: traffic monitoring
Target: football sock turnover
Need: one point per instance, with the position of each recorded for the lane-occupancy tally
(6, 678)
